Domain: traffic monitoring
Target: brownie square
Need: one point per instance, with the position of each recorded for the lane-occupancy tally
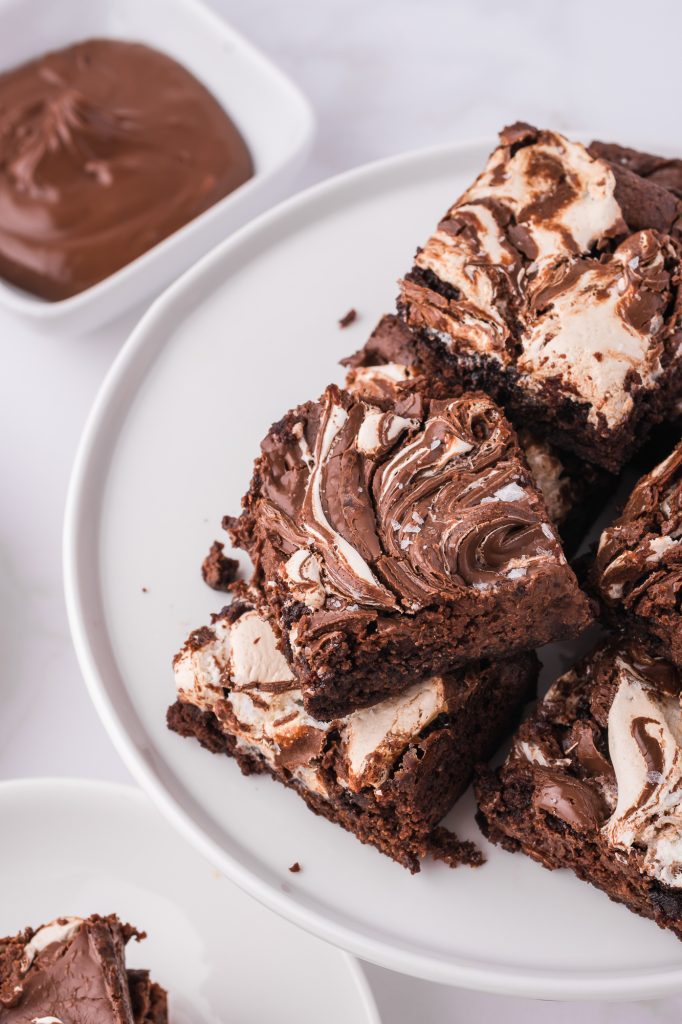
(638, 568)
(73, 969)
(387, 774)
(593, 779)
(399, 541)
(573, 490)
(553, 284)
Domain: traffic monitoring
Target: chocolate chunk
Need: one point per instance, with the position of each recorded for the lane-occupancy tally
(219, 571)
(571, 800)
(582, 744)
(348, 318)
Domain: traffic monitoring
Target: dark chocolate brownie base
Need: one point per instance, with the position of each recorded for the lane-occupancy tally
(563, 422)
(373, 656)
(556, 797)
(349, 652)
(401, 822)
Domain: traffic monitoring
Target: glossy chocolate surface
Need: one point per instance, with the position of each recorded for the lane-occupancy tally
(106, 148)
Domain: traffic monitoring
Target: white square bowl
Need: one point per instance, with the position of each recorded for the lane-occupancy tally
(273, 116)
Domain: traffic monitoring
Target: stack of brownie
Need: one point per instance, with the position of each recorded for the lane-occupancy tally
(405, 568)
(408, 535)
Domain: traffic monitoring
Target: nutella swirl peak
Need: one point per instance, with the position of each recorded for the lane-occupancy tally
(106, 147)
(374, 508)
(397, 536)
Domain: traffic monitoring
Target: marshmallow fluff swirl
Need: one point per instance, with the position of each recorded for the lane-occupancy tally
(606, 751)
(535, 268)
(233, 669)
(540, 198)
(645, 747)
(399, 509)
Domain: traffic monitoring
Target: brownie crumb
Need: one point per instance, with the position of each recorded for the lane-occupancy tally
(350, 317)
(217, 569)
(145, 590)
(445, 846)
(295, 868)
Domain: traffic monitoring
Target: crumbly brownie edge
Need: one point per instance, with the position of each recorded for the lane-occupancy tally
(423, 787)
(349, 670)
(657, 631)
(148, 999)
(403, 846)
(506, 817)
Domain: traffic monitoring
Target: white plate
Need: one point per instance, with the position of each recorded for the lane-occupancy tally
(75, 847)
(273, 116)
(168, 449)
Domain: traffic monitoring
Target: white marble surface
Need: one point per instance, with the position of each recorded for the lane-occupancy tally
(383, 77)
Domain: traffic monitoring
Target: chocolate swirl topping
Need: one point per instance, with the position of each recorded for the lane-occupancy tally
(569, 799)
(652, 751)
(382, 510)
(643, 547)
(222, 669)
(537, 267)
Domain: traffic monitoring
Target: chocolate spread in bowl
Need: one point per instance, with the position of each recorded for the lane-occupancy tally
(106, 147)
